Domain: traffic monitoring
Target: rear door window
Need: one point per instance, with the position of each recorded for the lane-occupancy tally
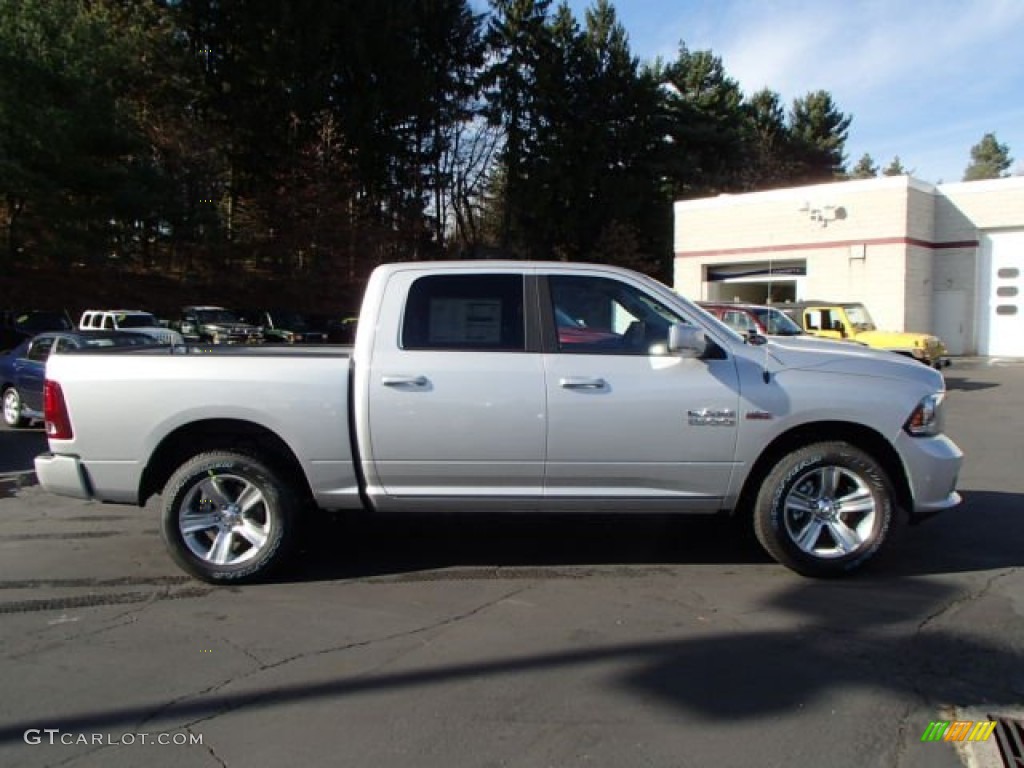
(465, 312)
(40, 349)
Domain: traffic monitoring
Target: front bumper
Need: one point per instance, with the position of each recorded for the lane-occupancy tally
(63, 475)
(933, 468)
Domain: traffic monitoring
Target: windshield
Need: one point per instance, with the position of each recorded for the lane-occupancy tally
(215, 316)
(42, 321)
(136, 320)
(776, 323)
(858, 316)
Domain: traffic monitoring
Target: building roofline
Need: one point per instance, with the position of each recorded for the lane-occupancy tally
(830, 189)
(983, 185)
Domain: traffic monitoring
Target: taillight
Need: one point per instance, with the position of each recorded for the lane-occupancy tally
(55, 411)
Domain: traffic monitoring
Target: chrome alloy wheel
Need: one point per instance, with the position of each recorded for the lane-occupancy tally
(224, 520)
(12, 407)
(830, 512)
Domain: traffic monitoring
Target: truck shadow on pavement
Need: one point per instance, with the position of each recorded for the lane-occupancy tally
(967, 385)
(982, 534)
(363, 546)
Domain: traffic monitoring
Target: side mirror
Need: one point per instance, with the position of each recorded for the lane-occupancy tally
(686, 340)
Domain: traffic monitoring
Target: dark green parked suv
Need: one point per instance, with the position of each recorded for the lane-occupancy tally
(286, 326)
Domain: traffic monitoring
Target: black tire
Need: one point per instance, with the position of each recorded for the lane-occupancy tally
(799, 515)
(13, 408)
(228, 518)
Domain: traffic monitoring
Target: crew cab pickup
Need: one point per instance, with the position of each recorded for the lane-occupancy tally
(466, 390)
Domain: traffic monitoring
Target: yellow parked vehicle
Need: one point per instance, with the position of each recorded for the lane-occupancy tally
(851, 321)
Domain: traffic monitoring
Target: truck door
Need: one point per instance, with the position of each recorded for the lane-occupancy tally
(455, 400)
(628, 424)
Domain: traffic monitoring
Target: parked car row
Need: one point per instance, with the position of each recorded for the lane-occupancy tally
(193, 324)
(219, 325)
(843, 321)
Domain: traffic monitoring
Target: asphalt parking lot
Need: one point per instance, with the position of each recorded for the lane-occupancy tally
(517, 641)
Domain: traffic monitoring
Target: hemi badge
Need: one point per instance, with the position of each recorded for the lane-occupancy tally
(759, 416)
(712, 417)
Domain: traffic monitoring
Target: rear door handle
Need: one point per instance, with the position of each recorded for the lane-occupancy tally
(403, 381)
(581, 382)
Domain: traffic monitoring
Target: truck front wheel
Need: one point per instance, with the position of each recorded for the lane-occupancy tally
(825, 509)
(227, 517)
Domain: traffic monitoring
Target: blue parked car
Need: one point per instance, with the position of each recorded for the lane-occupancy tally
(23, 369)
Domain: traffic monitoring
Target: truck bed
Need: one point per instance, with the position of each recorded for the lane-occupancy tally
(125, 406)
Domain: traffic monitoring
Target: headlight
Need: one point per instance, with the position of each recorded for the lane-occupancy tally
(926, 419)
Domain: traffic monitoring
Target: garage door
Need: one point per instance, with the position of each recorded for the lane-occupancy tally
(1001, 308)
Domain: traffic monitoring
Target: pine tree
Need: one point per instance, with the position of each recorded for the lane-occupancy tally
(767, 140)
(895, 168)
(989, 159)
(865, 168)
(819, 131)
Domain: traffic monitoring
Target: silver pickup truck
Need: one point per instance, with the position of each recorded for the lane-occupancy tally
(507, 386)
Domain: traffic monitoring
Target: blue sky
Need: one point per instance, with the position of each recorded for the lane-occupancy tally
(923, 79)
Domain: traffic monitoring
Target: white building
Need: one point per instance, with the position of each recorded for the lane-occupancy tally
(945, 259)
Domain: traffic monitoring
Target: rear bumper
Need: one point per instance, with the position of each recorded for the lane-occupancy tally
(63, 475)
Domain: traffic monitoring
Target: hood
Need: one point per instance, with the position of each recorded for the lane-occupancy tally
(809, 352)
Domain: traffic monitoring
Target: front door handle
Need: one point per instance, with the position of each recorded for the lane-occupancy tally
(404, 381)
(581, 382)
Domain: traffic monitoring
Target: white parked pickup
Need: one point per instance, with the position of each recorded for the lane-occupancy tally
(507, 386)
(130, 321)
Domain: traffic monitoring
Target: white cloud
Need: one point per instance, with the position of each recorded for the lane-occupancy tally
(859, 48)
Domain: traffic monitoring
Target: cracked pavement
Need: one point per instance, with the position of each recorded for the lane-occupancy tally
(518, 641)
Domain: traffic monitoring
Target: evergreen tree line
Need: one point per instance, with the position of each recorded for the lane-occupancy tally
(990, 159)
(322, 137)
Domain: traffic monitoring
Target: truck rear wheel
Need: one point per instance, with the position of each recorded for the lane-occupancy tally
(825, 509)
(227, 517)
